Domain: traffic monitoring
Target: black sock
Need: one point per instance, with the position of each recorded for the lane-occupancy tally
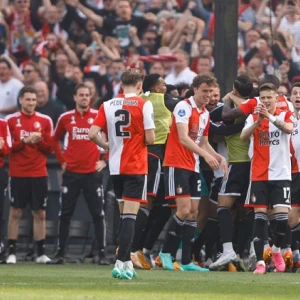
(243, 236)
(12, 247)
(260, 221)
(198, 244)
(188, 233)
(99, 227)
(126, 237)
(280, 229)
(40, 245)
(140, 225)
(295, 237)
(287, 240)
(173, 236)
(212, 233)
(250, 217)
(161, 217)
(225, 224)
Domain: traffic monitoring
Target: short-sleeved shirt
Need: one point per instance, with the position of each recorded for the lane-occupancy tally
(186, 112)
(120, 29)
(125, 119)
(270, 148)
(295, 147)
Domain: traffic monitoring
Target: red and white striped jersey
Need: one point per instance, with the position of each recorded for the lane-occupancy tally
(271, 149)
(125, 119)
(198, 121)
(248, 106)
(295, 147)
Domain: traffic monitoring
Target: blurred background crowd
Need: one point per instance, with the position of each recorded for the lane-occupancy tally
(55, 44)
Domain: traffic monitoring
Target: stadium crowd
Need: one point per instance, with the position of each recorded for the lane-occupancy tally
(62, 60)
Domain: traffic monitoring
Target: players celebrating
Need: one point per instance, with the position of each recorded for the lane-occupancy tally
(188, 139)
(269, 129)
(128, 122)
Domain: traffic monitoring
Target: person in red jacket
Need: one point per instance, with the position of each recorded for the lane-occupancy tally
(80, 162)
(5, 145)
(31, 143)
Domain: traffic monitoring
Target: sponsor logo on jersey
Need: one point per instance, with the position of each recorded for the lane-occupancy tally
(181, 113)
(25, 133)
(80, 133)
(269, 138)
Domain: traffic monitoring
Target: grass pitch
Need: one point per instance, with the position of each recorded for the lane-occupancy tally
(83, 281)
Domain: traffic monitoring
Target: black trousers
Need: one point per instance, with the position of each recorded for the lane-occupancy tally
(90, 185)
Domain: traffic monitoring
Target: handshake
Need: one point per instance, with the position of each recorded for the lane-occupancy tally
(33, 138)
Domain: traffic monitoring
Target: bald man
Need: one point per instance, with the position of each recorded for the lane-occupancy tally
(44, 104)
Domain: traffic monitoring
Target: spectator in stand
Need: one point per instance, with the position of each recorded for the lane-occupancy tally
(119, 26)
(9, 87)
(31, 133)
(157, 68)
(204, 64)
(31, 74)
(255, 66)
(181, 71)
(66, 87)
(116, 70)
(44, 104)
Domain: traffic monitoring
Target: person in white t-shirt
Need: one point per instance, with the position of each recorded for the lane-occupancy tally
(181, 71)
(9, 89)
(290, 22)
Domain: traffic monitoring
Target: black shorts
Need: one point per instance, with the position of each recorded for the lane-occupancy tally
(181, 183)
(269, 194)
(154, 172)
(130, 187)
(295, 189)
(32, 190)
(215, 189)
(238, 180)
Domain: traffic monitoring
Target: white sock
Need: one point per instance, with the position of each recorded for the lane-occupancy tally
(261, 262)
(252, 250)
(295, 252)
(119, 264)
(146, 251)
(128, 264)
(227, 247)
(275, 249)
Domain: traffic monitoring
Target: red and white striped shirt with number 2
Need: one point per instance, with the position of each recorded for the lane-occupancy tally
(125, 119)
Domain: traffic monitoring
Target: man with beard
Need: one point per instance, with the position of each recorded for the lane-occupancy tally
(80, 162)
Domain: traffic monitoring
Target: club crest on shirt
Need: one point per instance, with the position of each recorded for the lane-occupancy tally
(37, 125)
(179, 190)
(18, 123)
(90, 120)
(181, 113)
(73, 120)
